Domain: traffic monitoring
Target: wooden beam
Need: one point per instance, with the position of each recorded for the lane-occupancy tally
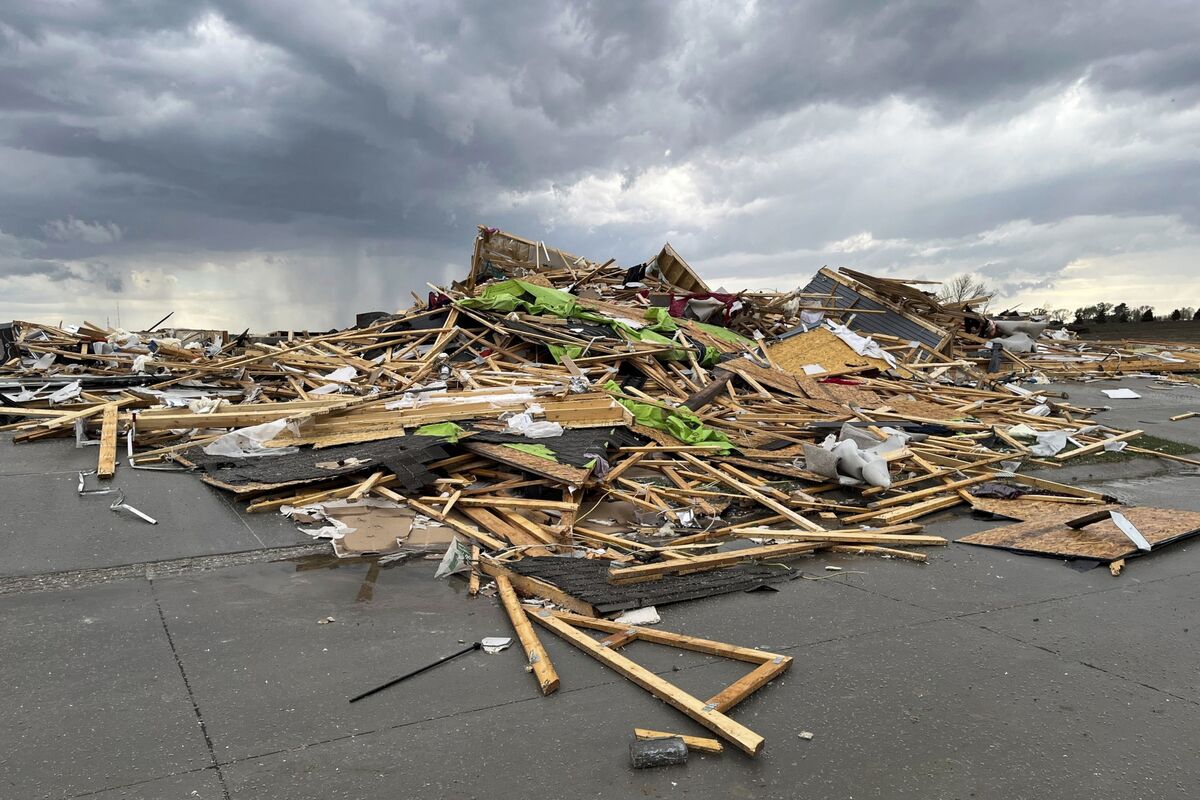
(1091, 448)
(846, 537)
(107, 465)
(697, 743)
(745, 739)
(535, 587)
(543, 670)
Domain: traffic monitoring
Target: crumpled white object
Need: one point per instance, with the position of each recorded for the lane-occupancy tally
(811, 317)
(1040, 410)
(1050, 443)
(848, 462)
(123, 339)
(68, 392)
(1115, 447)
(327, 527)
(140, 363)
(647, 615)
(42, 363)
(1026, 326)
(206, 405)
(248, 442)
(1017, 343)
(524, 424)
(457, 559)
(343, 374)
(863, 345)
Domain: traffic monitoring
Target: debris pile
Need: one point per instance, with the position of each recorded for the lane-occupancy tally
(602, 438)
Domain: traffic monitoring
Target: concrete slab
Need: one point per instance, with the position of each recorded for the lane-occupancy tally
(1144, 631)
(202, 785)
(50, 455)
(48, 527)
(93, 696)
(251, 639)
(935, 710)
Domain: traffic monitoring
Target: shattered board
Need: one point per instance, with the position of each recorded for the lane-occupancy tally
(1021, 509)
(576, 447)
(1102, 541)
(587, 579)
(402, 457)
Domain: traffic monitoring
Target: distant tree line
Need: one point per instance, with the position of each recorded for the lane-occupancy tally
(1102, 313)
(973, 291)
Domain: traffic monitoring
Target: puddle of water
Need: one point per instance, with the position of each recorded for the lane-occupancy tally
(370, 568)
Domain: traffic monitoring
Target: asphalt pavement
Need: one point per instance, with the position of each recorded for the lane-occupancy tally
(188, 659)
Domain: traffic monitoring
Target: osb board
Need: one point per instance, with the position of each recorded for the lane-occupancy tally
(1043, 510)
(822, 347)
(1102, 541)
(921, 408)
(846, 395)
(563, 473)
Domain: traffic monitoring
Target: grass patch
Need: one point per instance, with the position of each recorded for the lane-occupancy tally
(1146, 442)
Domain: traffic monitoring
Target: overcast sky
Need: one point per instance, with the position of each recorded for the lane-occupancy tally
(287, 163)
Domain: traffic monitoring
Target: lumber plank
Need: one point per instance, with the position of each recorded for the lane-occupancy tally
(543, 669)
(734, 732)
(106, 466)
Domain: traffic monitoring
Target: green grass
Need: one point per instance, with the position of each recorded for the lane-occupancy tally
(1146, 442)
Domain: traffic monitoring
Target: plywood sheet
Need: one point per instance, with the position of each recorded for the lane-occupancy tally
(1101, 541)
(1044, 510)
(820, 347)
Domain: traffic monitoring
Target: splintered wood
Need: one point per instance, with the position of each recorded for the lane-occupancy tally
(550, 406)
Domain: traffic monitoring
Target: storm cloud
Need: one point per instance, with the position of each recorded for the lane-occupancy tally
(287, 163)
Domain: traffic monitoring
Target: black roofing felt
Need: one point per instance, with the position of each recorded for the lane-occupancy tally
(587, 579)
(403, 456)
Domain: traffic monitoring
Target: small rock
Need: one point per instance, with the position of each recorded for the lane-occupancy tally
(805, 735)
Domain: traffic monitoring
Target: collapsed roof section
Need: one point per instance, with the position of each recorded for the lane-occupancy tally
(500, 255)
(867, 311)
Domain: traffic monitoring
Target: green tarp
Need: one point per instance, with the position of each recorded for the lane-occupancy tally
(539, 450)
(446, 430)
(680, 422)
(517, 295)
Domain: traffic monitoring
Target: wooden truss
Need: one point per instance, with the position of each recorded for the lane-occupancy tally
(709, 713)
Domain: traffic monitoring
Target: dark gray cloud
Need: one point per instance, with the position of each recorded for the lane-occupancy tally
(297, 160)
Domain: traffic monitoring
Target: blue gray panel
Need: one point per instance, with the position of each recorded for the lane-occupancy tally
(889, 324)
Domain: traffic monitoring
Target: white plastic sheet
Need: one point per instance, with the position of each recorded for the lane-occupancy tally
(66, 393)
(343, 374)
(863, 345)
(249, 442)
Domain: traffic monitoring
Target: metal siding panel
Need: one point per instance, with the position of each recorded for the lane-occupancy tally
(889, 324)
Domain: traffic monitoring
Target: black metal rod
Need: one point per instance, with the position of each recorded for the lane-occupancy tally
(469, 649)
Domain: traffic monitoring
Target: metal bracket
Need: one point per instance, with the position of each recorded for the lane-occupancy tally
(120, 504)
(82, 490)
(709, 707)
(81, 439)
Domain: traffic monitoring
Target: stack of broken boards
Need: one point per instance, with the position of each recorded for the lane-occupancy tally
(670, 458)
